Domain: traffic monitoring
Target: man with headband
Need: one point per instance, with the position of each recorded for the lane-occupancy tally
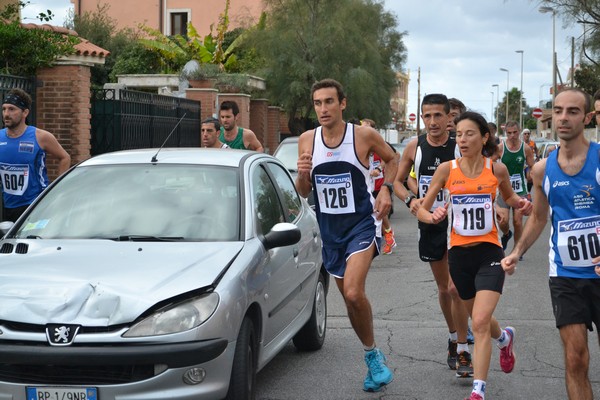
(23, 149)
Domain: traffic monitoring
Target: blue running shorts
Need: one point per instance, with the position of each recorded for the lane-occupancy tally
(334, 258)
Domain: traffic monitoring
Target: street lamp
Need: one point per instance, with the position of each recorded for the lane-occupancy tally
(521, 92)
(497, 99)
(544, 10)
(492, 113)
(507, 80)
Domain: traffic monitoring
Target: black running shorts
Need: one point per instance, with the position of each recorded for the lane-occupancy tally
(575, 301)
(433, 241)
(476, 268)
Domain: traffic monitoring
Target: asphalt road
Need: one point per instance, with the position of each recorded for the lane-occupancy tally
(410, 330)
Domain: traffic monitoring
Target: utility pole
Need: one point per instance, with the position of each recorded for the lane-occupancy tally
(418, 100)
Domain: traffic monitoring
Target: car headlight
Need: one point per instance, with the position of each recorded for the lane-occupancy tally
(178, 318)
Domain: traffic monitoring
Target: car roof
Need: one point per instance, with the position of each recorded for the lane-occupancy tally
(200, 156)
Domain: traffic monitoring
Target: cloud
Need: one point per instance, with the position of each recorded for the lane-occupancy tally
(461, 45)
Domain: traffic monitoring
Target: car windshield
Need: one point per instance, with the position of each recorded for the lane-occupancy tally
(139, 202)
(287, 153)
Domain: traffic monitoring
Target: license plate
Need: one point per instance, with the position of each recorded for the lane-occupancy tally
(61, 393)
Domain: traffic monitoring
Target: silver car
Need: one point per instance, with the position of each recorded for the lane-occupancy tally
(143, 276)
(287, 152)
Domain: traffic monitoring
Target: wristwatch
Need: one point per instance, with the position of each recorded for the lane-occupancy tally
(408, 199)
(390, 187)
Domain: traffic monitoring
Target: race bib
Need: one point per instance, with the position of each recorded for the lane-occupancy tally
(424, 183)
(472, 214)
(335, 193)
(578, 241)
(15, 178)
(516, 183)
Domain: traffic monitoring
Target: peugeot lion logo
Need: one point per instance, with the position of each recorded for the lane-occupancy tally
(61, 335)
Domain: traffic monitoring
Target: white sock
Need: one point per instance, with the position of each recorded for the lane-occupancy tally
(369, 348)
(462, 347)
(503, 340)
(453, 336)
(479, 387)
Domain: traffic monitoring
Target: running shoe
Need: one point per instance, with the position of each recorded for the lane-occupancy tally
(452, 355)
(505, 239)
(390, 242)
(507, 355)
(465, 365)
(379, 374)
(474, 396)
(470, 337)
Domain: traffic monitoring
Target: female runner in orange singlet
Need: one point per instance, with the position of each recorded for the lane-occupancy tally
(470, 184)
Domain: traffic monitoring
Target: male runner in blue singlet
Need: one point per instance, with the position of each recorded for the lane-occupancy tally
(567, 185)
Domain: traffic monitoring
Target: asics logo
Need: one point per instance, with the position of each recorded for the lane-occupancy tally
(560, 183)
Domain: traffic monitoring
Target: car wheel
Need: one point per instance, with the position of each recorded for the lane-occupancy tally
(312, 335)
(243, 372)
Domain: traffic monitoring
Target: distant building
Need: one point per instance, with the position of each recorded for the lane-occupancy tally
(399, 101)
(171, 16)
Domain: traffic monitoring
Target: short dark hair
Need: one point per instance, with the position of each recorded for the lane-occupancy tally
(328, 83)
(586, 96)
(597, 95)
(489, 148)
(214, 121)
(436, 99)
(23, 95)
(230, 105)
(456, 103)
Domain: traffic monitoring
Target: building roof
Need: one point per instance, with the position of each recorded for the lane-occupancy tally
(83, 48)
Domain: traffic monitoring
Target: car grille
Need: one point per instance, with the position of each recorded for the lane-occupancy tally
(70, 374)
(75, 375)
(20, 248)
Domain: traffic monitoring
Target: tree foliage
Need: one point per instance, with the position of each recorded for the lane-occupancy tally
(588, 77)
(177, 50)
(514, 110)
(587, 13)
(352, 41)
(23, 51)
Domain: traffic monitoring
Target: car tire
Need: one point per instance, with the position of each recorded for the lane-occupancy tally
(243, 373)
(312, 335)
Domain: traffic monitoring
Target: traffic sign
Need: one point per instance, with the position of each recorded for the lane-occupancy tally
(412, 117)
(537, 113)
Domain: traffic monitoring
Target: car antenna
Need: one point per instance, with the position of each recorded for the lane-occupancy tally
(154, 159)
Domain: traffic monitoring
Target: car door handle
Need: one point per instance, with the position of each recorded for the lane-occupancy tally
(295, 252)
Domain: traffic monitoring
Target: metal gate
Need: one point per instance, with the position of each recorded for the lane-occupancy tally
(128, 119)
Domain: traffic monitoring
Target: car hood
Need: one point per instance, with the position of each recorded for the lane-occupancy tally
(101, 282)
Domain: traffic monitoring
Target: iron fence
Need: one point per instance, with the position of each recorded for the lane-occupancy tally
(128, 119)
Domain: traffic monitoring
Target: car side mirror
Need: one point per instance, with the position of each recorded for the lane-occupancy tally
(5, 227)
(282, 234)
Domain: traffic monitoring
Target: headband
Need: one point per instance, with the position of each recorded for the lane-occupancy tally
(16, 101)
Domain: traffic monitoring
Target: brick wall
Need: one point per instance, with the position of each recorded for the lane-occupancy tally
(259, 122)
(273, 128)
(63, 109)
(207, 99)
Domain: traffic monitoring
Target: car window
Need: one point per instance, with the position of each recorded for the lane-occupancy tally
(266, 202)
(287, 153)
(291, 200)
(137, 201)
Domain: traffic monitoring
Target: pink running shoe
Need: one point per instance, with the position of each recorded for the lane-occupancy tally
(474, 396)
(507, 355)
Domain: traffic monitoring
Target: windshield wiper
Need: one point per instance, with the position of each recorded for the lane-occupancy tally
(146, 238)
(33, 237)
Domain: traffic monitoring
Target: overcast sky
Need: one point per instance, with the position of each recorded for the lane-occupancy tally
(460, 46)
